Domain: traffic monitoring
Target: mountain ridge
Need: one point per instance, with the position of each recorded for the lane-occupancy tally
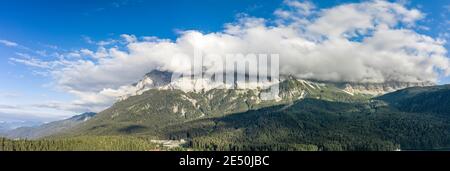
(48, 129)
(170, 105)
(304, 115)
(157, 79)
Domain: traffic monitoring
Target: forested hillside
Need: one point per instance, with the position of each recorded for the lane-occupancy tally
(434, 99)
(153, 111)
(309, 117)
(84, 143)
(319, 125)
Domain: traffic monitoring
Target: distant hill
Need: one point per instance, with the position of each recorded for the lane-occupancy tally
(49, 128)
(6, 126)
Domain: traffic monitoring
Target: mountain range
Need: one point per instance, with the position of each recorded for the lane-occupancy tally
(305, 115)
(34, 132)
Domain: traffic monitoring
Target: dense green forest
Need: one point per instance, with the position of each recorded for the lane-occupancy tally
(85, 143)
(435, 99)
(319, 125)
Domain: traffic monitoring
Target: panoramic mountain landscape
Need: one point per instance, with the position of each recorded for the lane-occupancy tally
(282, 75)
(307, 115)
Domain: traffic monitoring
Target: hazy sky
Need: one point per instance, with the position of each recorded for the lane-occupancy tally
(60, 58)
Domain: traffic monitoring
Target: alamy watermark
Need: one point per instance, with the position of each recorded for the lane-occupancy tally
(230, 71)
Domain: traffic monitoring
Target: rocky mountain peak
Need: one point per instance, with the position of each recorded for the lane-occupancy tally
(378, 88)
(162, 80)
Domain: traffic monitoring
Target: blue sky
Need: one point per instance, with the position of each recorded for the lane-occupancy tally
(42, 28)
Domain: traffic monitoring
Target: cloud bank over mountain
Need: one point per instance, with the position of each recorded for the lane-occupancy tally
(372, 41)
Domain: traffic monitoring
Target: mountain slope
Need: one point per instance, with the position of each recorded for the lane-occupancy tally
(6, 126)
(305, 115)
(432, 99)
(49, 128)
(154, 110)
(312, 124)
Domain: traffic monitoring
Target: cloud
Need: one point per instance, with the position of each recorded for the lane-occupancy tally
(3, 106)
(295, 12)
(295, 8)
(88, 39)
(8, 43)
(371, 41)
(9, 95)
(31, 61)
(31, 113)
(100, 53)
(129, 38)
(107, 42)
(352, 19)
(13, 44)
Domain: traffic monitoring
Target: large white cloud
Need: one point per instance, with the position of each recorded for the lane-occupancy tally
(372, 41)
